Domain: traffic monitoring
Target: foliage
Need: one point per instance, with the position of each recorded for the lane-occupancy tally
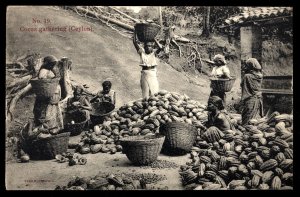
(196, 14)
(150, 12)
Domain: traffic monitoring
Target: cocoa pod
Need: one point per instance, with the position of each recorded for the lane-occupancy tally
(287, 177)
(263, 186)
(281, 143)
(213, 186)
(235, 183)
(221, 181)
(288, 153)
(211, 175)
(257, 172)
(267, 176)
(278, 172)
(286, 188)
(205, 159)
(255, 181)
(268, 165)
(280, 157)
(223, 174)
(285, 164)
(276, 183)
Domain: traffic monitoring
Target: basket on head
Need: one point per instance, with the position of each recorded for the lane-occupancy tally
(100, 110)
(222, 85)
(142, 150)
(146, 32)
(180, 137)
(45, 149)
(76, 128)
(44, 87)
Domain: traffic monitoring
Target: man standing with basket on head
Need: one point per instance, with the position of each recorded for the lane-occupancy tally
(149, 82)
(219, 75)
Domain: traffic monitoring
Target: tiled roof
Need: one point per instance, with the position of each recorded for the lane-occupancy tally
(258, 13)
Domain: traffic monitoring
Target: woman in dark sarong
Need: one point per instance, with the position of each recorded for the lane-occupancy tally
(251, 100)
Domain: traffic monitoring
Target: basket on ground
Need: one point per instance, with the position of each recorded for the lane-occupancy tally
(44, 87)
(180, 137)
(222, 85)
(142, 150)
(77, 127)
(45, 149)
(100, 110)
(146, 32)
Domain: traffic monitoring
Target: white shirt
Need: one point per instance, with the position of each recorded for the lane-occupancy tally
(147, 59)
(220, 71)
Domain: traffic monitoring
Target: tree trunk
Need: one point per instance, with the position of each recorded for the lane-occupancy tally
(13, 102)
(206, 29)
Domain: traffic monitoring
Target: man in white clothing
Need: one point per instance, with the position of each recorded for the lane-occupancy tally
(149, 82)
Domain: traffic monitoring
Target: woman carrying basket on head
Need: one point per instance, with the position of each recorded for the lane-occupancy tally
(251, 100)
(46, 110)
(220, 70)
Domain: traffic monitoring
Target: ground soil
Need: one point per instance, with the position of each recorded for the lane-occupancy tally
(96, 56)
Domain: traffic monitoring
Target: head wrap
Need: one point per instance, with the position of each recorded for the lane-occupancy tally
(253, 64)
(219, 58)
(217, 101)
(49, 61)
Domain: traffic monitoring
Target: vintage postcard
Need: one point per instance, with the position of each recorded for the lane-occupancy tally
(149, 98)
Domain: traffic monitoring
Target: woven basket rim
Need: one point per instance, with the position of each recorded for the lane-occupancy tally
(64, 134)
(142, 138)
(149, 24)
(220, 79)
(45, 80)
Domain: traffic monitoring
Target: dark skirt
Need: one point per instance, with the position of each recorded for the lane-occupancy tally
(251, 109)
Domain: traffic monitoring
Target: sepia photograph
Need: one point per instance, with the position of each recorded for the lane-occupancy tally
(149, 98)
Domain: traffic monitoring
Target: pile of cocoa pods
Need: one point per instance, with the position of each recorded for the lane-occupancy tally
(141, 117)
(256, 156)
(113, 182)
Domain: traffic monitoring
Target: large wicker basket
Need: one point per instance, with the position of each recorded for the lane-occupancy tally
(100, 110)
(45, 149)
(142, 150)
(76, 128)
(180, 137)
(44, 87)
(222, 85)
(146, 32)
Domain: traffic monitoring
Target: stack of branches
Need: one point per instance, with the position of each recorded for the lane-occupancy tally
(18, 74)
(112, 17)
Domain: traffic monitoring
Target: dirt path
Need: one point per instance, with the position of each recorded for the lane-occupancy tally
(45, 175)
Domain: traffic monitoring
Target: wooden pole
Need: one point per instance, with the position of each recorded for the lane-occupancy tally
(160, 20)
(125, 26)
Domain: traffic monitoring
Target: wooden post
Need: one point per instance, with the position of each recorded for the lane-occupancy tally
(251, 43)
(160, 20)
